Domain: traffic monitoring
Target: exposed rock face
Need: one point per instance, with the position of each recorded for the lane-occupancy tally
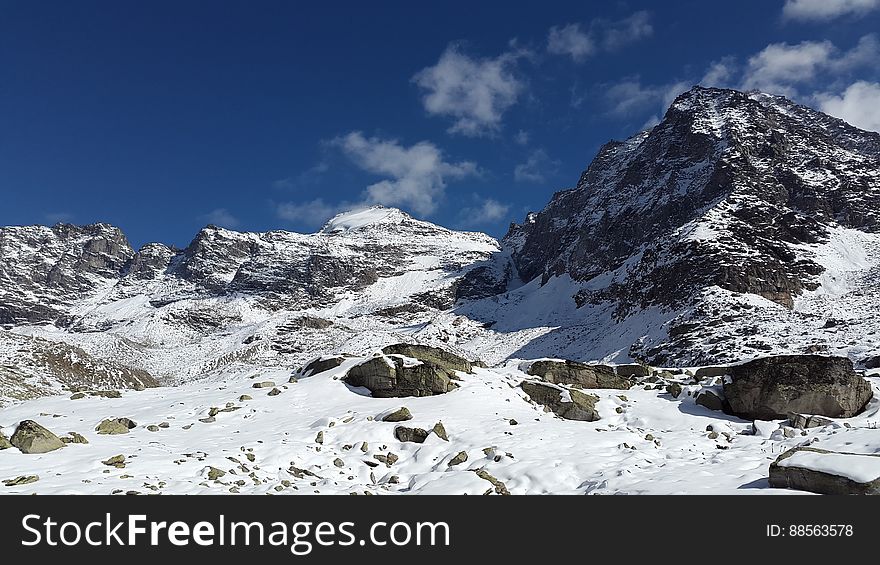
(826, 472)
(773, 387)
(566, 403)
(434, 355)
(391, 376)
(54, 266)
(578, 375)
(31, 437)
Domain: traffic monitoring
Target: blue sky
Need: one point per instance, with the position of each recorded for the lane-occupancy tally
(161, 117)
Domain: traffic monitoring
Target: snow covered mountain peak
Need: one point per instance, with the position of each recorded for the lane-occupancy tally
(363, 217)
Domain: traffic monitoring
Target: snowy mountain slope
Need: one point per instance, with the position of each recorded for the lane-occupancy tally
(711, 232)
(647, 442)
(241, 299)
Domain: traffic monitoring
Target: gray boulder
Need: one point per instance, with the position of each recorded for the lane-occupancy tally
(391, 376)
(402, 414)
(578, 375)
(704, 372)
(320, 365)
(415, 435)
(773, 387)
(115, 426)
(31, 437)
(581, 406)
(710, 399)
(4, 442)
(805, 421)
(826, 472)
(632, 370)
(433, 355)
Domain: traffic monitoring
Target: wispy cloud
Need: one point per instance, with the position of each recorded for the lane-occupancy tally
(313, 213)
(570, 40)
(221, 217)
(305, 178)
(521, 137)
(536, 168)
(474, 92)
(824, 10)
(574, 41)
(484, 211)
(630, 98)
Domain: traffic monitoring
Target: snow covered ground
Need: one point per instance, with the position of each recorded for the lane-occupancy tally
(647, 442)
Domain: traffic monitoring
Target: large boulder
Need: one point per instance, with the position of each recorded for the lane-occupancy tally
(703, 372)
(826, 472)
(773, 387)
(31, 437)
(321, 364)
(4, 442)
(567, 403)
(633, 370)
(396, 376)
(711, 399)
(433, 355)
(415, 435)
(578, 374)
(115, 426)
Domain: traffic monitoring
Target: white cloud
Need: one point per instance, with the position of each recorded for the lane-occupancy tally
(416, 174)
(823, 10)
(474, 92)
(570, 40)
(859, 105)
(221, 217)
(521, 137)
(573, 41)
(628, 30)
(536, 168)
(780, 67)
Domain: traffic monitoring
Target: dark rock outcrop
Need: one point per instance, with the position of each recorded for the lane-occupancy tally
(566, 403)
(710, 399)
(773, 387)
(578, 375)
(321, 364)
